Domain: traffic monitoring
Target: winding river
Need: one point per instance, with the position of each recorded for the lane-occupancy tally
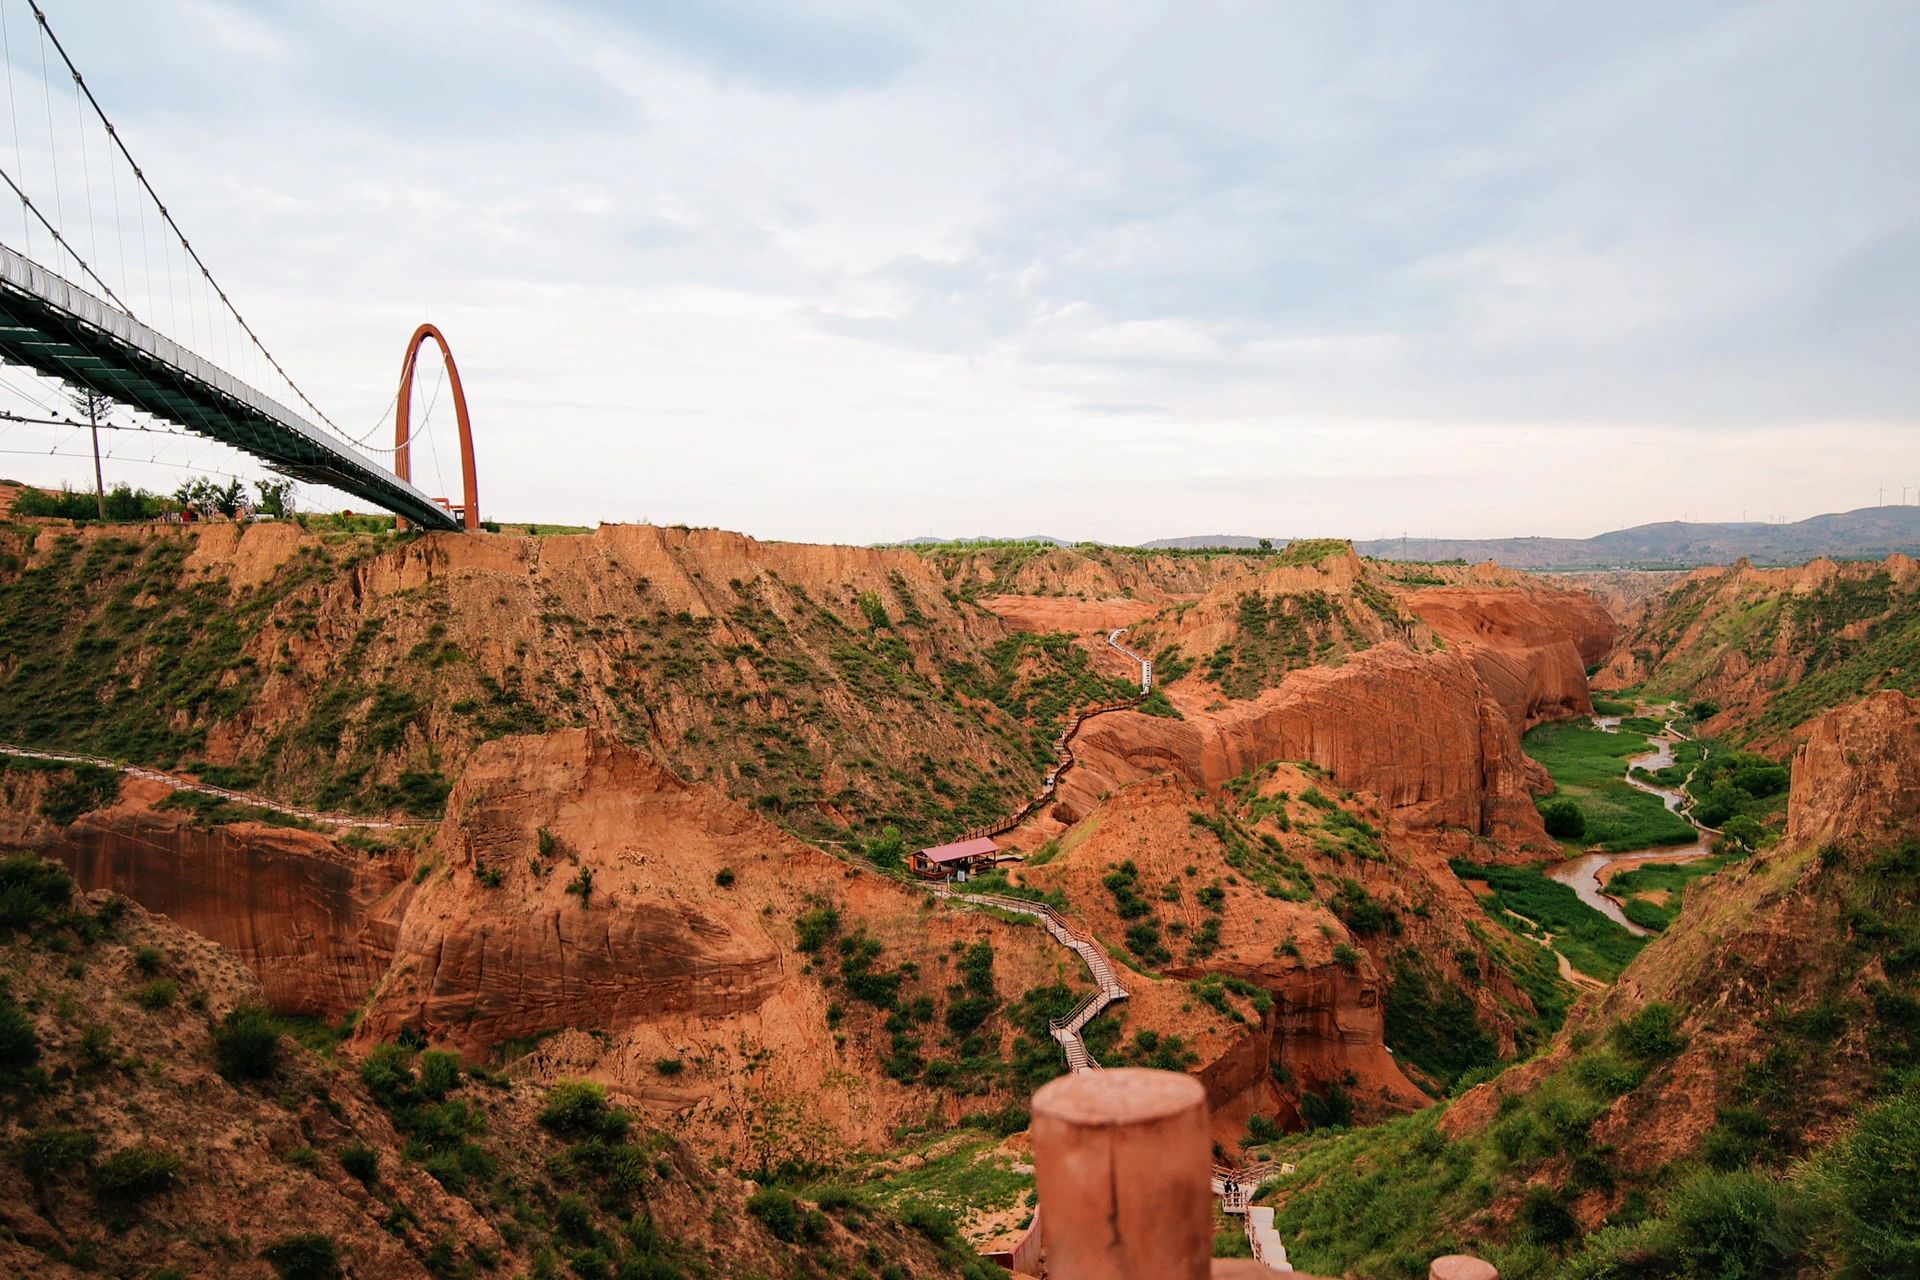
(1583, 874)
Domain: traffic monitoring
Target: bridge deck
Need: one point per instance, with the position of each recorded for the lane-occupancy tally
(58, 329)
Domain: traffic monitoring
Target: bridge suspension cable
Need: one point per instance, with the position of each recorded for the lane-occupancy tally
(185, 244)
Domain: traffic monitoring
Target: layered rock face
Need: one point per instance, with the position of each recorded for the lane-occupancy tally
(1419, 731)
(316, 923)
(612, 916)
(1856, 777)
(1531, 648)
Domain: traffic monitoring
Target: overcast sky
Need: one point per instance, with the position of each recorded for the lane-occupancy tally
(849, 271)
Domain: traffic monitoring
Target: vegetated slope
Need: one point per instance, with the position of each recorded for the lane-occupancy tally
(1866, 533)
(1290, 907)
(1084, 571)
(1318, 602)
(583, 912)
(155, 1122)
(1745, 1101)
(831, 687)
(1770, 648)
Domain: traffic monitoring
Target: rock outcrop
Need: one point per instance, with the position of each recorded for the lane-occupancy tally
(1418, 731)
(1531, 648)
(1856, 777)
(315, 922)
(602, 909)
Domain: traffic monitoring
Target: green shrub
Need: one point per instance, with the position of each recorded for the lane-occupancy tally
(1332, 1109)
(669, 1066)
(88, 788)
(779, 1210)
(1345, 956)
(246, 1044)
(439, 1073)
(32, 890)
(158, 994)
(308, 1255)
(1873, 1179)
(19, 1046)
(1727, 1226)
(46, 1153)
(1652, 1035)
(578, 1109)
(135, 1173)
(360, 1161)
(147, 959)
(1546, 1218)
(724, 877)
(815, 927)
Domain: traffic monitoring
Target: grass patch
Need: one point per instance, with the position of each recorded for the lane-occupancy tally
(1596, 945)
(1588, 766)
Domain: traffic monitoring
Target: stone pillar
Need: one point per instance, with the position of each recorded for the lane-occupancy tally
(1458, 1266)
(1122, 1163)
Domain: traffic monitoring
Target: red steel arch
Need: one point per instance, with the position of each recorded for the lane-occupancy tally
(402, 460)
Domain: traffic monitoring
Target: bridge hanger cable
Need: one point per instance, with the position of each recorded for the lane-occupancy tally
(62, 242)
(13, 116)
(53, 145)
(48, 32)
(86, 177)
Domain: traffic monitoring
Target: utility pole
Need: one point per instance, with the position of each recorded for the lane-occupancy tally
(93, 403)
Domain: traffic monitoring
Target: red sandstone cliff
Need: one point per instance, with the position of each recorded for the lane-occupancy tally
(314, 921)
(1856, 777)
(1419, 731)
(1531, 648)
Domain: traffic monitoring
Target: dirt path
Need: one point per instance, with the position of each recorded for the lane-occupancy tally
(1567, 972)
(178, 783)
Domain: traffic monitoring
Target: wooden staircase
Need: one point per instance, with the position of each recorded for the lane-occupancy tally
(1107, 988)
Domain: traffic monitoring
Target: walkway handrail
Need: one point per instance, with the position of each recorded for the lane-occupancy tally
(1097, 1000)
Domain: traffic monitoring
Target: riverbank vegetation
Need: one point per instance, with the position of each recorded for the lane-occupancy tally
(1651, 894)
(1527, 901)
(1588, 766)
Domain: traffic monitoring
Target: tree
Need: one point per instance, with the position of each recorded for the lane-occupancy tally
(1266, 544)
(207, 495)
(276, 497)
(93, 406)
(1565, 820)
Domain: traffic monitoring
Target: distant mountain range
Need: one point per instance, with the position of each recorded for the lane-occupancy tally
(1869, 533)
(925, 541)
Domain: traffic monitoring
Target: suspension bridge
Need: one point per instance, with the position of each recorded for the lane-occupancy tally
(61, 318)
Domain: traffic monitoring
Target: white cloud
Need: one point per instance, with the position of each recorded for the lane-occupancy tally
(844, 271)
